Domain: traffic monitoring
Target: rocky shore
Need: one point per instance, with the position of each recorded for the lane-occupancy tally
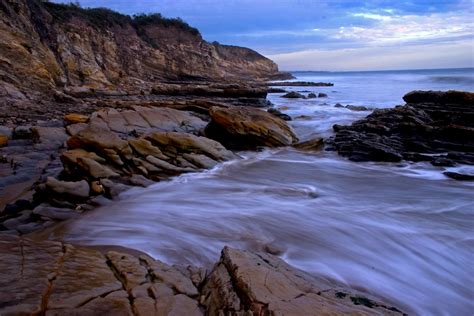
(53, 278)
(434, 126)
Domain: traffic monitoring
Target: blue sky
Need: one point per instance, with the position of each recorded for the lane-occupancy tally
(330, 34)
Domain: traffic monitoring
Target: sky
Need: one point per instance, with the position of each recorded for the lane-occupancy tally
(329, 35)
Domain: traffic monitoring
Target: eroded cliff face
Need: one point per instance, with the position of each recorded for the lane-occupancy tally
(44, 46)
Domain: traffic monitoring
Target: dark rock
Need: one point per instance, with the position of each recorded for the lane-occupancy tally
(312, 95)
(311, 145)
(414, 130)
(22, 132)
(322, 95)
(459, 176)
(276, 90)
(279, 114)
(339, 105)
(357, 108)
(301, 84)
(293, 95)
(443, 162)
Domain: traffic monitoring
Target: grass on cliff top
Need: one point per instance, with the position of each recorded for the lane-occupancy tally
(103, 17)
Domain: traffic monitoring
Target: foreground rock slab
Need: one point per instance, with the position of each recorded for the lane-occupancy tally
(53, 278)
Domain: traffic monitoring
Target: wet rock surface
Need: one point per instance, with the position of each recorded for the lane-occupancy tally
(53, 278)
(433, 126)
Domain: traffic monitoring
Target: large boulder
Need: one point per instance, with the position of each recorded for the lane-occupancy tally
(248, 128)
(293, 95)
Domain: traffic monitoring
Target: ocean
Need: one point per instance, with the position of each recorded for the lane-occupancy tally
(401, 231)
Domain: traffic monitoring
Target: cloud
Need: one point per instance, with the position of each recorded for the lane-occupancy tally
(420, 56)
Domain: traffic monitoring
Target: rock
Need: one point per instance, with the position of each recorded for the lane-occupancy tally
(188, 143)
(22, 132)
(73, 129)
(75, 118)
(339, 105)
(440, 97)
(77, 189)
(129, 269)
(301, 84)
(312, 95)
(140, 181)
(95, 169)
(146, 148)
(6, 131)
(322, 95)
(415, 131)
(103, 142)
(166, 166)
(243, 127)
(293, 95)
(311, 145)
(202, 161)
(245, 283)
(3, 140)
(459, 176)
(279, 114)
(357, 108)
(97, 187)
(113, 189)
(52, 137)
(443, 162)
(55, 213)
(276, 90)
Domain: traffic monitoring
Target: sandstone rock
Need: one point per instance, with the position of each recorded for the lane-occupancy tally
(113, 189)
(97, 187)
(95, 169)
(244, 282)
(75, 118)
(311, 145)
(77, 189)
(129, 269)
(188, 143)
(146, 148)
(73, 129)
(166, 166)
(242, 127)
(103, 142)
(6, 131)
(201, 161)
(293, 95)
(140, 181)
(3, 140)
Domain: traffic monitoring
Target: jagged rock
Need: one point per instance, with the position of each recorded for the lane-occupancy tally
(140, 181)
(243, 127)
(129, 269)
(293, 95)
(166, 166)
(95, 169)
(245, 282)
(188, 143)
(414, 130)
(75, 118)
(77, 189)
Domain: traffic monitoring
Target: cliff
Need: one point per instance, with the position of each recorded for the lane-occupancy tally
(45, 46)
